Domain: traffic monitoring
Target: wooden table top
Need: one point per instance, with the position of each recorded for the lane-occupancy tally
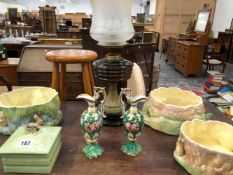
(10, 62)
(155, 159)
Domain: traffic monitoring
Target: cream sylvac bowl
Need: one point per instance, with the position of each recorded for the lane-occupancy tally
(205, 147)
(18, 108)
(167, 108)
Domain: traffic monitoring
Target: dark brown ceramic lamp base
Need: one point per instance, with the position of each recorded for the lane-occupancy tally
(112, 71)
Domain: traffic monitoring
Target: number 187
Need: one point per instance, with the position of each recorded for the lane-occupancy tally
(25, 143)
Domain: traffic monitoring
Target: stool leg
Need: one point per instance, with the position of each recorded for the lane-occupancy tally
(88, 87)
(55, 76)
(91, 76)
(63, 82)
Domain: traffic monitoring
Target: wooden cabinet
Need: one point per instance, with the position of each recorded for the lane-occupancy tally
(48, 19)
(8, 69)
(189, 57)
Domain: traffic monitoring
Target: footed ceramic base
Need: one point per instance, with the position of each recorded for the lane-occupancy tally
(93, 150)
(169, 126)
(131, 148)
(181, 161)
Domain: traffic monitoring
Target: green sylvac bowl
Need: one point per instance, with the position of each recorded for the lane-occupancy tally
(166, 109)
(205, 148)
(17, 108)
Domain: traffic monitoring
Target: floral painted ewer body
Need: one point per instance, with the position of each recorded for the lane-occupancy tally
(132, 122)
(91, 123)
(166, 109)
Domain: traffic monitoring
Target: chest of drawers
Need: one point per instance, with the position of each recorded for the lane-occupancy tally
(189, 57)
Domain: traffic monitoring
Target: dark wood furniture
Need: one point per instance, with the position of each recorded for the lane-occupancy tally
(156, 157)
(86, 23)
(164, 48)
(12, 15)
(171, 47)
(35, 70)
(5, 82)
(48, 19)
(152, 37)
(14, 50)
(60, 58)
(189, 57)
(138, 36)
(60, 41)
(225, 39)
(8, 69)
(74, 35)
(143, 55)
(89, 43)
(211, 60)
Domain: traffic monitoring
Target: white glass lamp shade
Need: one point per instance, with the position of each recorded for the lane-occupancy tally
(111, 22)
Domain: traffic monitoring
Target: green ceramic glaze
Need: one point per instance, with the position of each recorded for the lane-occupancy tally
(166, 109)
(92, 122)
(132, 122)
(35, 152)
(93, 150)
(19, 107)
(181, 161)
(167, 125)
(131, 148)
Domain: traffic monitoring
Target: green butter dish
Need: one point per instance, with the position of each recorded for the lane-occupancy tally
(31, 152)
(32, 159)
(39, 143)
(32, 169)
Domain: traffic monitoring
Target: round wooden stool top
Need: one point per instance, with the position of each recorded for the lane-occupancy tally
(71, 56)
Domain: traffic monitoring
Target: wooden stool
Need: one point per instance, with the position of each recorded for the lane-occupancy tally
(71, 56)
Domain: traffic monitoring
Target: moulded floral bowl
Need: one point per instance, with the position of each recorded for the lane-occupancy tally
(19, 107)
(205, 147)
(167, 108)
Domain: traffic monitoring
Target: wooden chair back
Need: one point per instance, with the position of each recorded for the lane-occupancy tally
(143, 55)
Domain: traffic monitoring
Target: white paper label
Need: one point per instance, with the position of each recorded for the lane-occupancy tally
(25, 143)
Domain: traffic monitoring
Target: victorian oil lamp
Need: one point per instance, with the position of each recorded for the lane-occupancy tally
(112, 27)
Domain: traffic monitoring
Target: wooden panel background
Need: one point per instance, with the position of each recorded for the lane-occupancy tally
(173, 16)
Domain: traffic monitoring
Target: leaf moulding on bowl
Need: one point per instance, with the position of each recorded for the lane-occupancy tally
(167, 108)
(205, 148)
(19, 107)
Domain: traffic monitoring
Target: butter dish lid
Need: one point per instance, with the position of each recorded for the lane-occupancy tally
(23, 142)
